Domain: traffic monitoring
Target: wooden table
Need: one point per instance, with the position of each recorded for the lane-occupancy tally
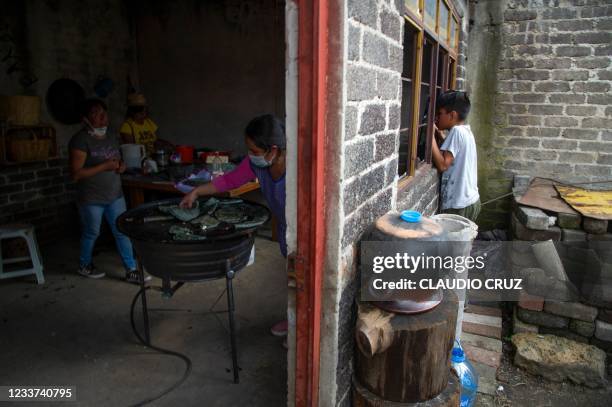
(136, 185)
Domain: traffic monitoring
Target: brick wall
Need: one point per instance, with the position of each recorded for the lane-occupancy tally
(549, 62)
(373, 65)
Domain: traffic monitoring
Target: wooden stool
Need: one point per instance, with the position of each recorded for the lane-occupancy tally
(26, 232)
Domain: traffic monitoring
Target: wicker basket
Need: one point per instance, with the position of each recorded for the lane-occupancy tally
(30, 150)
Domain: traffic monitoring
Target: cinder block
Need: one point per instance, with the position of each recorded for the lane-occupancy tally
(532, 218)
(573, 235)
(569, 220)
(595, 226)
(522, 181)
(574, 310)
(523, 233)
(603, 331)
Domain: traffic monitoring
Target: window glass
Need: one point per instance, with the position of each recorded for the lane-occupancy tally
(453, 30)
(443, 21)
(430, 14)
(428, 79)
(407, 103)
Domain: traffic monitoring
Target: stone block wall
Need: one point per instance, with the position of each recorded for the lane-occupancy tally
(576, 302)
(368, 175)
(541, 74)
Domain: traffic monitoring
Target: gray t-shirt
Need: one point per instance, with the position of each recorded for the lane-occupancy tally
(105, 186)
(460, 181)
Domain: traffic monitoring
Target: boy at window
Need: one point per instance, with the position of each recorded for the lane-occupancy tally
(456, 158)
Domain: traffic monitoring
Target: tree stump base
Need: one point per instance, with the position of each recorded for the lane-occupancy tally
(362, 397)
(405, 358)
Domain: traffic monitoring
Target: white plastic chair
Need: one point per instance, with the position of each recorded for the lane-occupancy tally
(26, 232)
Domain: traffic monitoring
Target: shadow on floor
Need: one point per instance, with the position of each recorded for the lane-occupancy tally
(76, 331)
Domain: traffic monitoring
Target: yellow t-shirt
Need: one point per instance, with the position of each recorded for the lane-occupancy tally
(143, 133)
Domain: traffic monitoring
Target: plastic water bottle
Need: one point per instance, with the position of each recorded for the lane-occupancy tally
(467, 376)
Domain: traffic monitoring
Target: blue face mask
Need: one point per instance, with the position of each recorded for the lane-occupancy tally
(259, 161)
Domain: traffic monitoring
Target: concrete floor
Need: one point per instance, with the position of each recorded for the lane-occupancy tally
(76, 331)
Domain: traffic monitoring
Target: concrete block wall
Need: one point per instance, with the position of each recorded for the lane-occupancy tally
(549, 63)
(368, 172)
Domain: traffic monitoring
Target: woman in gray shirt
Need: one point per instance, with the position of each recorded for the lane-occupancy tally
(95, 165)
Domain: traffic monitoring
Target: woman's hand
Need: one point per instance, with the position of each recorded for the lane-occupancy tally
(111, 165)
(122, 167)
(189, 199)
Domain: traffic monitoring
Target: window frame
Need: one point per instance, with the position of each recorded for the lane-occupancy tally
(448, 47)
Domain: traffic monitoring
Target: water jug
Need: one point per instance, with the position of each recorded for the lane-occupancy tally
(132, 155)
(468, 377)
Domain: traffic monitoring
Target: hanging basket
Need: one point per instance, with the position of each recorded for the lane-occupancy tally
(20, 110)
(33, 149)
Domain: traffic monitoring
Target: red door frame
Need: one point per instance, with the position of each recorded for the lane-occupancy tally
(310, 251)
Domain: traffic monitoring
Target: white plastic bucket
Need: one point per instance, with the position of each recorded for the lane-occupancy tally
(459, 234)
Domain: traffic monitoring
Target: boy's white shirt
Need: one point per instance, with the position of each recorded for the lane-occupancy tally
(460, 181)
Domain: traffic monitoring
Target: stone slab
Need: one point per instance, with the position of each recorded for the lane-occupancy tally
(595, 226)
(604, 237)
(574, 310)
(519, 326)
(569, 220)
(583, 328)
(603, 331)
(605, 315)
(542, 319)
(532, 218)
(559, 359)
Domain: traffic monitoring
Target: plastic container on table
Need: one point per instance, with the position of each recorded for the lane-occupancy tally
(468, 377)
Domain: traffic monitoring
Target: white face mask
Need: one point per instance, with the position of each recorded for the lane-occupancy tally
(96, 131)
(260, 160)
(99, 131)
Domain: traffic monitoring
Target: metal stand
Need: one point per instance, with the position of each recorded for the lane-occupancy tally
(145, 310)
(229, 277)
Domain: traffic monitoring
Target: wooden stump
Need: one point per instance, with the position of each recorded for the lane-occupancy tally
(405, 358)
(449, 397)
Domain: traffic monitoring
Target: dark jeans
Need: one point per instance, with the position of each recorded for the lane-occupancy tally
(470, 212)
